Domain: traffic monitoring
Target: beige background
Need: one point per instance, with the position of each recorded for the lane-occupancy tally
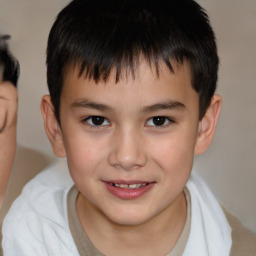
(229, 166)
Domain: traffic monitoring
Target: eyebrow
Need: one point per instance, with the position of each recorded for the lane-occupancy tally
(170, 104)
(84, 103)
(164, 105)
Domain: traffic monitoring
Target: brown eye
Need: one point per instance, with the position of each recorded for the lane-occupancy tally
(97, 121)
(159, 121)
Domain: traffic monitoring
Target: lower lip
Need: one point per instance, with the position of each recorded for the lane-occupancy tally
(128, 194)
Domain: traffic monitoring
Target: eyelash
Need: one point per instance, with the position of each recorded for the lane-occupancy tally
(166, 121)
(89, 121)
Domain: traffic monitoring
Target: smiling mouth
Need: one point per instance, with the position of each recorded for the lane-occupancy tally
(129, 186)
(128, 190)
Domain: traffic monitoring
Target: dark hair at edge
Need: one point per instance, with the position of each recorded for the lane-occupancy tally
(103, 36)
(10, 66)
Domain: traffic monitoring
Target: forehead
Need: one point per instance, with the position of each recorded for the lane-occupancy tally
(145, 85)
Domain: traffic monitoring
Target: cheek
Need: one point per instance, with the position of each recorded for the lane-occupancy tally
(83, 156)
(175, 155)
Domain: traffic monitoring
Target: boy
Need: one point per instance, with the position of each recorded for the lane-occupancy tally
(9, 72)
(131, 102)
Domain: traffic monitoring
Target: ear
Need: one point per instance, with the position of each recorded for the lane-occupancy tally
(207, 125)
(52, 127)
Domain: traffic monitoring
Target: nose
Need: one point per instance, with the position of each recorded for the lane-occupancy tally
(128, 150)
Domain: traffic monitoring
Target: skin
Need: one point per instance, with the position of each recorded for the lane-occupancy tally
(8, 121)
(128, 146)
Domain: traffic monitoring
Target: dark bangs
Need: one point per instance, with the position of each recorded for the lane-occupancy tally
(106, 36)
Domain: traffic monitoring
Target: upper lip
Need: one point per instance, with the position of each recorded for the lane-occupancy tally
(128, 182)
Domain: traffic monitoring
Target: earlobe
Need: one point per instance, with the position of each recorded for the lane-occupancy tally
(52, 127)
(207, 125)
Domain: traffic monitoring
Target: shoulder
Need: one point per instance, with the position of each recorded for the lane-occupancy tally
(210, 232)
(37, 219)
(243, 240)
(44, 192)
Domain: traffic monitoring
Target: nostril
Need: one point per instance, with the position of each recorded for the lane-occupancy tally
(127, 150)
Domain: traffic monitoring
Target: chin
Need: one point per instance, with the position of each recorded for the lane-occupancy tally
(128, 217)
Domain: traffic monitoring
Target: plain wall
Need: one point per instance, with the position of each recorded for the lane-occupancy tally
(229, 166)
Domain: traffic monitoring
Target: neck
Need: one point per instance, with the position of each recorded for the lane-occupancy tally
(113, 239)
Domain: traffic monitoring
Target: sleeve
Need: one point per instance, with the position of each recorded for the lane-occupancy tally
(19, 236)
(36, 225)
(243, 240)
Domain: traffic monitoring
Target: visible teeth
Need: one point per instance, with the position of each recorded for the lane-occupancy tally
(133, 185)
(130, 186)
(123, 186)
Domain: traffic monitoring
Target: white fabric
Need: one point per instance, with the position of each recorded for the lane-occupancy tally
(210, 232)
(37, 223)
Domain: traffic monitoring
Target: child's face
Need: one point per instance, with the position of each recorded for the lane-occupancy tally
(8, 118)
(140, 132)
